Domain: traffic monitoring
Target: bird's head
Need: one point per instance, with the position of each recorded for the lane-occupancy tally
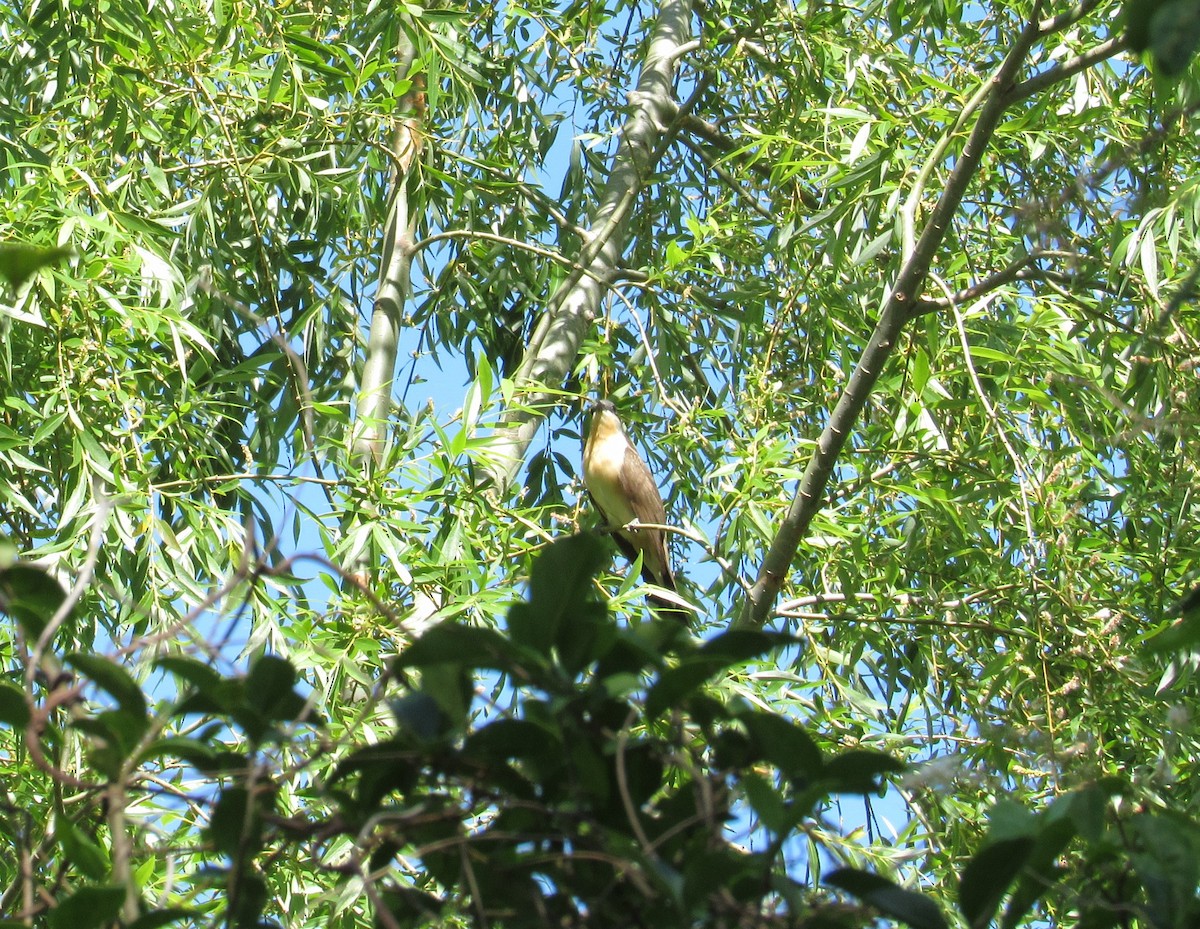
(604, 419)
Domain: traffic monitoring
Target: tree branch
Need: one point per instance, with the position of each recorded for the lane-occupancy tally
(1069, 18)
(374, 402)
(896, 311)
(1065, 69)
(556, 340)
(975, 291)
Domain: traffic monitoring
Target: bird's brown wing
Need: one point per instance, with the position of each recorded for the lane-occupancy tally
(637, 483)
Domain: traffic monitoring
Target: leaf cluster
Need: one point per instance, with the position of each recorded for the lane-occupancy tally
(607, 790)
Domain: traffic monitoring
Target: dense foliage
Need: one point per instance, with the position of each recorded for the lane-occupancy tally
(898, 298)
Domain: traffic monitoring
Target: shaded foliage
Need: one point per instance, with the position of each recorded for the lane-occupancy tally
(577, 805)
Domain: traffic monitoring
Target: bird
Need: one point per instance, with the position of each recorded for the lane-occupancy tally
(623, 490)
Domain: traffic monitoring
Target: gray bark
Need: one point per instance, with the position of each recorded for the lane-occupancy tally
(576, 303)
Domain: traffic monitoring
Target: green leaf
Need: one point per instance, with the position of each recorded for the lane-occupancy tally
(1137, 15)
(563, 610)
(82, 851)
(988, 875)
(251, 898)
(112, 679)
(1189, 604)
(539, 748)
(421, 715)
(270, 686)
(196, 673)
(19, 261)
(270, 679)
(785, 744)
(563, 572)
(721, 653)
(909, 907)
(87, 908)
(164, 917)
(766, 801)
(1174, 35)
(30, 596)
(115, 734)
(859, 771)
(452, 689)
(1183, 635)
(14, 710)
(409, 907)
(1040, 872)
(1168, 864)
(199, 754)
(235, 827)
(452, 643)
(389, 766)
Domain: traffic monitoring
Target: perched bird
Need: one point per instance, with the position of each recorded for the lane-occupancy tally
(623, 490)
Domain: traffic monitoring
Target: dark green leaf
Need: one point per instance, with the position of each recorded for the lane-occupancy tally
(200, 755)
(156, 918)
(88, 907)
(420, 714)
(409, 907)
(248, 895)
(19, 261)
(766, 801)
(740, 645)
(112, 679)
(199, 675)
(909, 907)
(642, 774)
(270, 682)
(561, 595)
(222, 700)
(30, 596)
(115, 735)
(859, 771)
(14, 711)
(733, 751)
(271, 697)
(1138, 15)
(785, 744)
(235, 827)
(1168, 865)
(714, 657)
(1040, 873)
(1174, 35)
(469, 647)
(82, 851)
(1189, 603)
(514, 738)
(382, 769)
(1184, 635)
(453, 689)
(987, 877)
(125, 729)
(1008, 819)
(1087, 808)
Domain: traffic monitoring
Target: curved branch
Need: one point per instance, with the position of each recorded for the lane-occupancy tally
(1068, 19)
(1066, 69)
(975, 291)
